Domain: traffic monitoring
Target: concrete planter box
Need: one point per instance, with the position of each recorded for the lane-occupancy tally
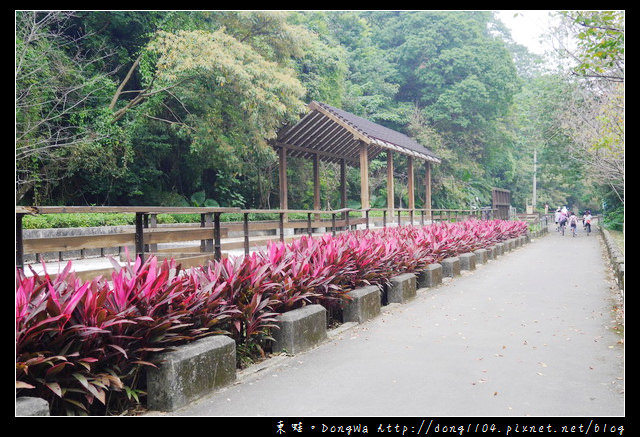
(450, 267)
(28, 406)
(300, 329)
(401, 288)
(431, 276)
(499, 249)
(482, 255)
(467, 261)
(364, 304)
(190, 372)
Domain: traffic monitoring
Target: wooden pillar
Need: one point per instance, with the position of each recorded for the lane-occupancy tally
(217, 246)
(316, 183)
(427, 186)
(410, 187)
(19, 241)
(390, 186)
(343, 183)
(206, 221)
(282, 173)
(364, 176)
(139, 236)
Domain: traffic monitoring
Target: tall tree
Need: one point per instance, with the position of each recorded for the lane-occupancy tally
(462, 78)
(594, 115)
(59, 95)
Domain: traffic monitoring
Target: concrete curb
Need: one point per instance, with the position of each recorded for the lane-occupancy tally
(467, 261)
(190, 372)
(615, 256)
(300, 329)
(401, 288)
(430, 277)
(365, 304)
(450, 267)
(27, 406)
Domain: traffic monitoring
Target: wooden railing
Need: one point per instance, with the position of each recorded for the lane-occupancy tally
(212, 232)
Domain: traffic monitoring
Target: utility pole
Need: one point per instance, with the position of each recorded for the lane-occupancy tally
(533, 201)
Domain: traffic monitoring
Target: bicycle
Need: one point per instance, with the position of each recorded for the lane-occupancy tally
(587, 223)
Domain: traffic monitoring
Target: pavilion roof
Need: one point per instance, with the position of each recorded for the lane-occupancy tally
(334, 134)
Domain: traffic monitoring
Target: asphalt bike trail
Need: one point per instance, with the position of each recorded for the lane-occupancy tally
(531, 333)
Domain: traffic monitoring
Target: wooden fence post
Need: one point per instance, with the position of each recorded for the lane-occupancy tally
(246, 233)
(216, 236)
(139, 238)
(19, 243)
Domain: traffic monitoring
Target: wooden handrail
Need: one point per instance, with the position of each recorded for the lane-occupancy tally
(209, 232)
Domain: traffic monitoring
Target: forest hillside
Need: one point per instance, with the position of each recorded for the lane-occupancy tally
(179, 107)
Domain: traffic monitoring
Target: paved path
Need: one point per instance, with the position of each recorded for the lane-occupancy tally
(530, 334)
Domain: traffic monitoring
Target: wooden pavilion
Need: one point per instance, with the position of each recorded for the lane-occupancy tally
(330, 134)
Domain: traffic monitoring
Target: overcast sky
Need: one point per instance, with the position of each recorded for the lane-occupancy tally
(527, 27)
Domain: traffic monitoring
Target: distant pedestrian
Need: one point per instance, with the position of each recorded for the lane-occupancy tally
(557, 219)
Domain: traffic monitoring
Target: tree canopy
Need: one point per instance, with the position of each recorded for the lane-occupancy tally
(178, 107)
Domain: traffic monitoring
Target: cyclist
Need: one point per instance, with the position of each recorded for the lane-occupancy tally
(573, 222)
(562, 221)
(587, 221)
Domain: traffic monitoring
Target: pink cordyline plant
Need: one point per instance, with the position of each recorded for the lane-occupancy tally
(77, 341)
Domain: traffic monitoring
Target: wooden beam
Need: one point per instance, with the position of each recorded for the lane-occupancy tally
(306, 152)
(356, 133)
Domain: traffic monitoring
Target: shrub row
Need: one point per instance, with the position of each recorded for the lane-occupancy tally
(83, 346)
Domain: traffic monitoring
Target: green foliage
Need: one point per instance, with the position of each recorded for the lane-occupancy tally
(204, 92)
(199, 199)
(600, 40)
(45, 221)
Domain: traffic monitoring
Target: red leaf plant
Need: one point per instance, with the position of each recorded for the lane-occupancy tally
(81, 342)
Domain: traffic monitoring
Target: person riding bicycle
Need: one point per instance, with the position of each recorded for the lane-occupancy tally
(587, 221)
(562, 221)
(573, 222)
